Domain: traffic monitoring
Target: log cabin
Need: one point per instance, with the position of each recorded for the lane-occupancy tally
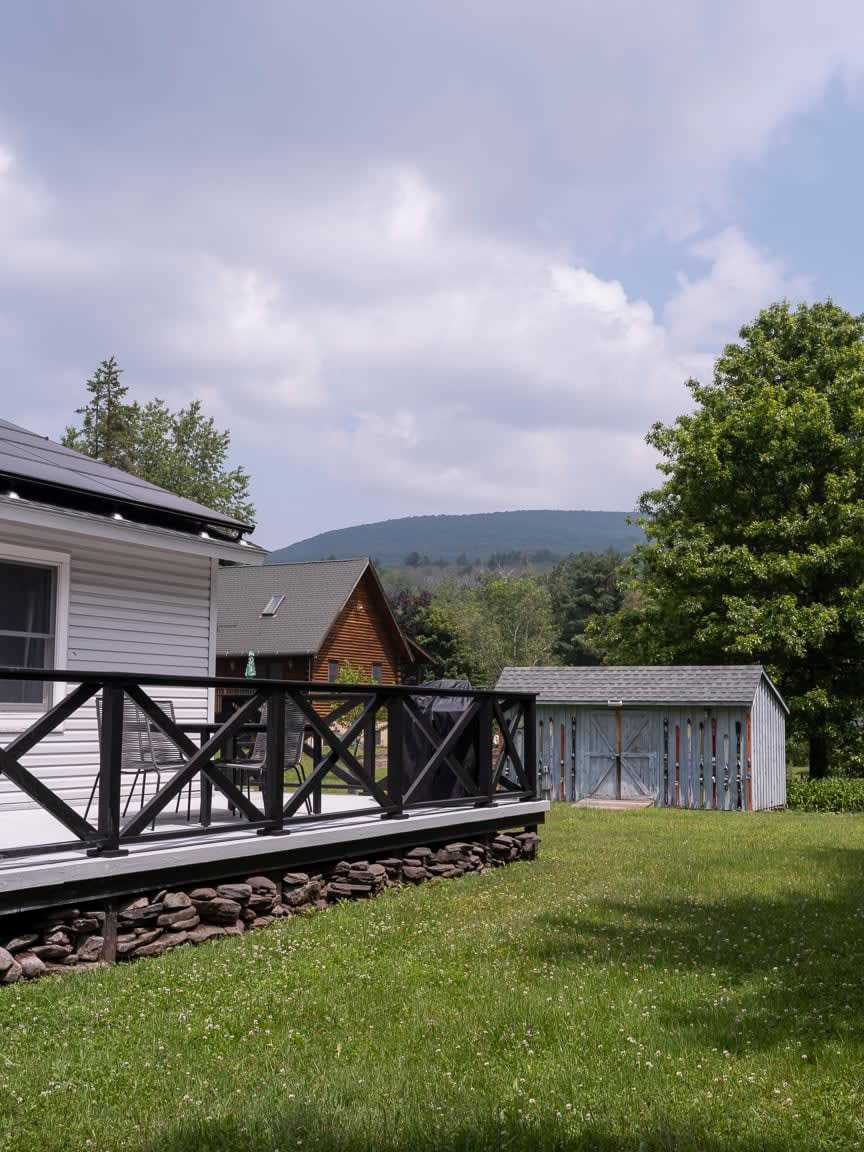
(310, 621)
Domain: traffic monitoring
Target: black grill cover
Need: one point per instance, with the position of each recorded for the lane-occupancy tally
(441, 713)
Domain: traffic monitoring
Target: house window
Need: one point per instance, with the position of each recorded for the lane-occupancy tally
(333, 671)
(28, 630)
(376, 673)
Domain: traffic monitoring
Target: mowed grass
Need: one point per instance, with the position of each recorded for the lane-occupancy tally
(656, 980)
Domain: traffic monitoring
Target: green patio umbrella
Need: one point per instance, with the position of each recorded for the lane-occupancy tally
(250, 672)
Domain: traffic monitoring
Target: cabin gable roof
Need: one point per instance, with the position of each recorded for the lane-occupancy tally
(313, 595)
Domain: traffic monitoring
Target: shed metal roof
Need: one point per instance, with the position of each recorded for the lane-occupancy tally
(314, 594)
(27, 456)
(706, 684)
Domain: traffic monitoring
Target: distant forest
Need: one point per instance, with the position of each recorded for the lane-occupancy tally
(486, 539)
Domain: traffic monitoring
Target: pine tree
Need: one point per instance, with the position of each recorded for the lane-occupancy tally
(109, 424)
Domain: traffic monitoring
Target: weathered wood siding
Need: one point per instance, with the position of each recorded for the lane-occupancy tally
(139, 609)
(360, 636)
(769, 750)
(570, 743)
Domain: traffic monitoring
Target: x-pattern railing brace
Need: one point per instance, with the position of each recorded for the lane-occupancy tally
(444, 748)
(11, 767)
(200, 760)
(452, 762)
(510, 750)
(339, 749)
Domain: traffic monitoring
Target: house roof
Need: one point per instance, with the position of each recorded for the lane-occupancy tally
(57, 475)
(705, 684)
(314, 595)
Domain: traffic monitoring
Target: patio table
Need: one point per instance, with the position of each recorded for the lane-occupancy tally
(204, 729)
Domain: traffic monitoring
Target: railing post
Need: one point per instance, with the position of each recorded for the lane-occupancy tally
(529, 744)
(274, 767)
(483, 753)
(110, 762)
(396, 757)
(317, 752)
(369, 745)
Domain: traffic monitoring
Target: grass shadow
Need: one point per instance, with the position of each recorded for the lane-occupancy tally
(297, 1131)
(783, 970)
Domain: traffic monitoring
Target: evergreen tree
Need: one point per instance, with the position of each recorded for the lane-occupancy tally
(582, 586)
(108, 425)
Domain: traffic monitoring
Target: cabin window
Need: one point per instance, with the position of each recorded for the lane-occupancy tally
(376, 673)
(333, 671)
(29, 598)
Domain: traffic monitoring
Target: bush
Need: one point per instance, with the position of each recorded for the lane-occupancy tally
(833, 794)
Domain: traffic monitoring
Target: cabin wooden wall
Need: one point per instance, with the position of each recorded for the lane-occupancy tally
(361, 636)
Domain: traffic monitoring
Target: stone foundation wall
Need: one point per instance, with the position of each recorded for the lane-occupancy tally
(81, 938)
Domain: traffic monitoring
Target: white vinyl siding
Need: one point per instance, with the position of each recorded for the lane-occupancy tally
(130, 608)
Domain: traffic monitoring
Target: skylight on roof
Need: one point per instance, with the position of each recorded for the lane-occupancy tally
(272, 605)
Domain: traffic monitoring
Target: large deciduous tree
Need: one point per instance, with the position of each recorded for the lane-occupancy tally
(755, 539)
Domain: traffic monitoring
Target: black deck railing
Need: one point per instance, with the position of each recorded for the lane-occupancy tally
(472, 747)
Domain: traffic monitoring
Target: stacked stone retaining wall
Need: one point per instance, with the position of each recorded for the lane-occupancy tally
(82, 938)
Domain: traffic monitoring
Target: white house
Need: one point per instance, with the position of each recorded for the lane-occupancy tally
(99, 570)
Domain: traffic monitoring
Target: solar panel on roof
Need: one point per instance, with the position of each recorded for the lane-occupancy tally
(28, 456)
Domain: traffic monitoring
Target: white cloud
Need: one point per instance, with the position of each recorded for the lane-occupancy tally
(740, 279)
(517, 378)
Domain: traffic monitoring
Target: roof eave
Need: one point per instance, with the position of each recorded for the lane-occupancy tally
(619, 702)
(133, 532)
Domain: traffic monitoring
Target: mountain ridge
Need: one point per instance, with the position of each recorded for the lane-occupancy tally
(474, 536)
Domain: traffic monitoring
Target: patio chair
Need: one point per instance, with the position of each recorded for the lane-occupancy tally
(253, 769)
(146, 751)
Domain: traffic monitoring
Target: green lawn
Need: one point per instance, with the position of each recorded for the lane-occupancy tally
(661, 980)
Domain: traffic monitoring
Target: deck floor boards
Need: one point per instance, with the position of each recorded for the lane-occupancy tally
(236, 847)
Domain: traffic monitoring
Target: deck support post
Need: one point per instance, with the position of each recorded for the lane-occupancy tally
(109, 933)
(110, 761)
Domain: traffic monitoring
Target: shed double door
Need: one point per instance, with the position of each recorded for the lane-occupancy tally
(620, 760)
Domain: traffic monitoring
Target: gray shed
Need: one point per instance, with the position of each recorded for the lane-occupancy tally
(695, 736)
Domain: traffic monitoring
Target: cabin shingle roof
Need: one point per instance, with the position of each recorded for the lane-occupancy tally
(314, 594)
(720, 684)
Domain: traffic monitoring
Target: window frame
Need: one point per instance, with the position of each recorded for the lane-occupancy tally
(334, 667)
(380, 667)
(19, 720)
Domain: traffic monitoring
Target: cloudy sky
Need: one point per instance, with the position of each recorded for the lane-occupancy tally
(419, 257)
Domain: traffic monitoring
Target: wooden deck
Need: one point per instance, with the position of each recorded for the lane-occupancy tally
(50, 880)
(458, 763)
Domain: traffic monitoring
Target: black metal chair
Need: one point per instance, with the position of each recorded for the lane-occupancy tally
(146, 751)
(253, 769)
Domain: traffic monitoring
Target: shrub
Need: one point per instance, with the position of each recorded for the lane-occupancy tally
(833, 794)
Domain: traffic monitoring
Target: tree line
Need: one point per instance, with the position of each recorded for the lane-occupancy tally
(473, 630)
